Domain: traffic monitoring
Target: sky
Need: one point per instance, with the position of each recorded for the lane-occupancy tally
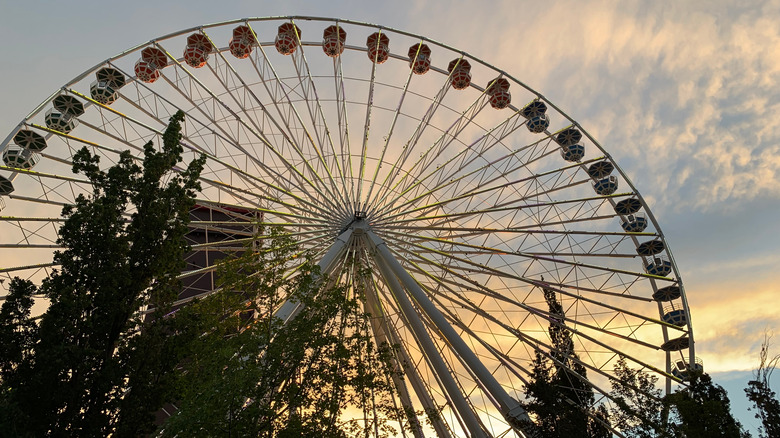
(684, 95)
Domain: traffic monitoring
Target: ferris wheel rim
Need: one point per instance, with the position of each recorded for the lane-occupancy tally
(633, 192)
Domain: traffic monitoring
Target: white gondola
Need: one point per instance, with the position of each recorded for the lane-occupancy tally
(19, 157)
(606, 186)
(682, 368)
(675, 315)
(573, 152)
(538, 123)
(659, 265)
(60, 122)
(634, 223)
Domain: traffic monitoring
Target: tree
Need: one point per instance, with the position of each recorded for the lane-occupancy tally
(18, 334)
(73, 378)
(703, 410)
(249, 374)
(638, 402)
(559, 395)
(759, 392)
(18, 331)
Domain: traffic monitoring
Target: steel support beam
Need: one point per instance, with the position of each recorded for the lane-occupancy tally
(510, 408)
(290, 309)
(454, 392)
(402, 364)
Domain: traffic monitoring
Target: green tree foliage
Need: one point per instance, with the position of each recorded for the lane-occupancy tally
(703, 410)
(18, 334)
(559, 395)
(71, 381)
(638, 411)
(765, 403)
(249, 374)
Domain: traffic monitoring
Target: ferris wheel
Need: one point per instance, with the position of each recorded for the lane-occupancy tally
(466, 193)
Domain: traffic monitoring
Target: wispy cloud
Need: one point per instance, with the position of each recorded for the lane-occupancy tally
(729, 319)
(685, 97)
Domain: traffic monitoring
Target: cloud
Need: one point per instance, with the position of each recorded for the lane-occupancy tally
(729, 318)
(685, 98)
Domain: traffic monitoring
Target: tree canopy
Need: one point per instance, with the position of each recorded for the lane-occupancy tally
(248, 374)
(122, 249)
(703, 410)
(639, 409)
(764, 399)
(559, 395)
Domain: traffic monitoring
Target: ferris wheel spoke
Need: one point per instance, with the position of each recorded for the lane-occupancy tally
(240, 244)
(592, 246)
(54, 191)
(268, 76)
(478, 188)
(7, 269)
(243, 175)
(30, 246)
(261, 120)
(546, 316)
(477, 148)
(215, 225)
(314, 221)
(342, 118)
(252, 200)
(492, 138)
(536, 186)
(521, 255)
(479, 191)
(40, 175)
(367, 124)
(545, 349)
(18, 231)
(127, 133)
(39, 200)
(51, 220)
(476, 286)
(449, 135)
(317, 116)
(153, 112)
(294, 123)
(388, 137)
(511, 206)
(465, 232)
(240, 126)
(107, 152)
(260, 184)
(496, 355)
(410, 145)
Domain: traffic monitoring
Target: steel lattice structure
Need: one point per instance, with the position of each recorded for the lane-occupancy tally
(465, 193)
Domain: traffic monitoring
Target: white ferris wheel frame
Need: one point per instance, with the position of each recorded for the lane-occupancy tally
(366, 211)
